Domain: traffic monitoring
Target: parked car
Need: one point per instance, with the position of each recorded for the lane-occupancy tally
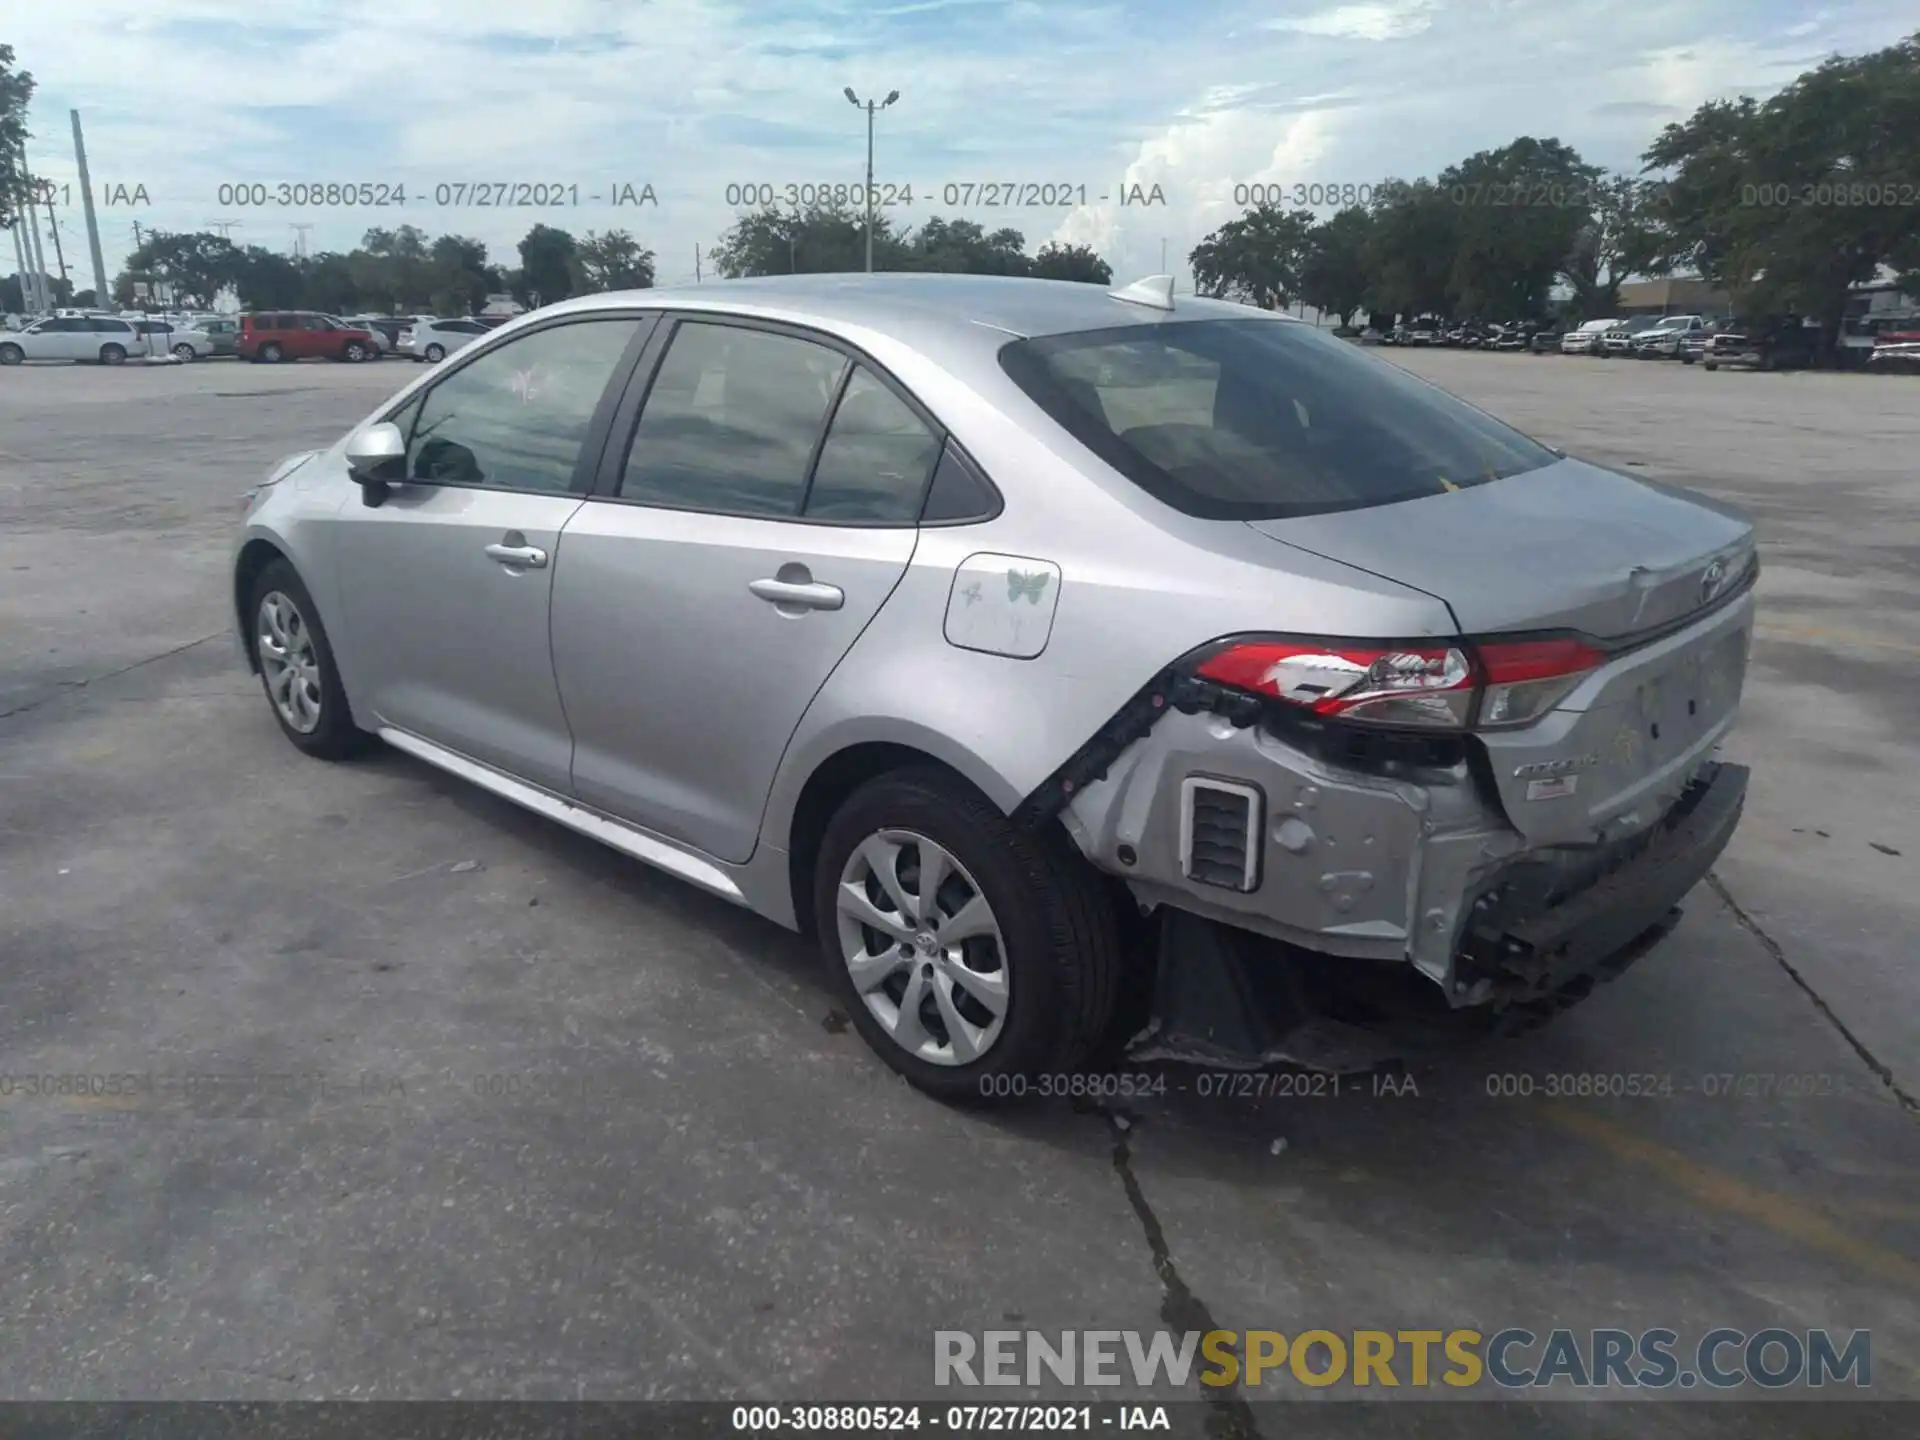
(661, 507)
(1777, 342)
(1663, 341)
(273, 336)
(1617, 339)
(385, 327)
(181, 341)
(369, 329)
(96, 339)
(223, 335)
(432, 341)
(1581, 340)
(1546, 340)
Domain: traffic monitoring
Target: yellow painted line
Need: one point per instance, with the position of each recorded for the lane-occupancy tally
(1837, 637)
(1731, 1195)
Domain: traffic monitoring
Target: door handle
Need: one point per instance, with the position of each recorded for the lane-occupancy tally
(518, 557)
(808, 595)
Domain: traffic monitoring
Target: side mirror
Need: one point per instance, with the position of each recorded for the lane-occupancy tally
(376, 459)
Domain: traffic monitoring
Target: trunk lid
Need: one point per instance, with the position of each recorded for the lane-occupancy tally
(1569, 547)
(1575, 547)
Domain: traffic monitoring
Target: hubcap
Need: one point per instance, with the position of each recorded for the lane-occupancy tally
(923, 947)
(288, 664)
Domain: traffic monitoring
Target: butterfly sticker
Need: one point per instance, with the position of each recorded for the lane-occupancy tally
(527, 384)
(1031, 586)
(972, 594)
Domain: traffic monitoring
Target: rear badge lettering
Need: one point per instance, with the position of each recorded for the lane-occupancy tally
(1552, 789)
(1557, 767)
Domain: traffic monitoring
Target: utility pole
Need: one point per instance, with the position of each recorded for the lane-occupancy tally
(300, 240)
(871, 108)
(20, 264)
(225, 227)
(137, 241)
(93, 224)
(1163, 254)
(36, 256)
(696, 262)
(53, 223)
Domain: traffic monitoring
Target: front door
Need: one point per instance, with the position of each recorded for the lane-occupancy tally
(446, 585)
(704, 601)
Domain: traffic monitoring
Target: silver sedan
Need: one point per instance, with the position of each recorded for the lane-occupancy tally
(1072, 665)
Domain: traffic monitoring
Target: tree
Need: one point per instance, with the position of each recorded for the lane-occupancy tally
(267, 280)
(1333, 274)
(1617, 240)
(1256, 259)
(817, 239)
(1410, 253)
(1791, 203)
(458, 276)
(1519, 210)
(547, 259)
(197, 265)
(16, 89)
(1071, 262)
(963, 247)
(327, 282)
(613, 261)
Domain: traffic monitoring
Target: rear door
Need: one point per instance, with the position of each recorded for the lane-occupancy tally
(445, 587)
(745, 529)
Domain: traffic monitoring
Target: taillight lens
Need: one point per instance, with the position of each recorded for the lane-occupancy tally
(1408, 686)
(1527, 678)
(1427, 686)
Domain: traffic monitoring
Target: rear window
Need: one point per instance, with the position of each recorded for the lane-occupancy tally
(1262, 419)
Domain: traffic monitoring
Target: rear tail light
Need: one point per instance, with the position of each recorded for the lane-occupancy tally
(1495, 685)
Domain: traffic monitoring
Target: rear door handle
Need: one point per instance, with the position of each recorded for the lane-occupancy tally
(807, 595)
(518, 557)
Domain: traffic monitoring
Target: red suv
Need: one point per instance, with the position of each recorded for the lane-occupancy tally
(276, 335)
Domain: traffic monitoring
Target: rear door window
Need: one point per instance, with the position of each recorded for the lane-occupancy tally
(1262, 419)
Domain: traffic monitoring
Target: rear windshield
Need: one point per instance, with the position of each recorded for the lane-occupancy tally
(1262, 419)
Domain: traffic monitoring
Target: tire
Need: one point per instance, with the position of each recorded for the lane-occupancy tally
(1686, 359)
(185, 353)
(11, 355)
(272, 354)
(333, 735)
(1059, 951)
(353, 352)
(113, 355)
(434, 354)
(1711, 364)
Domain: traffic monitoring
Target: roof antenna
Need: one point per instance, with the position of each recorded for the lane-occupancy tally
(1155, 292)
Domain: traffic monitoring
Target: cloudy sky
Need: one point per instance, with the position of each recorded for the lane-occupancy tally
(1199, 97)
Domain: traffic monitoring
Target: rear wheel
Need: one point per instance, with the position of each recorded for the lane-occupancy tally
(297, 669)
(113, 355)
(1711, 364)
(975, 957)
(435, 354)
(184, 352)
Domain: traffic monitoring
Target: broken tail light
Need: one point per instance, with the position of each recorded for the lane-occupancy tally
(1495, 685)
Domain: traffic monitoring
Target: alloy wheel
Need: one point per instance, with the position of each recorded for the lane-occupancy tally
(923, 947)
(288, 663)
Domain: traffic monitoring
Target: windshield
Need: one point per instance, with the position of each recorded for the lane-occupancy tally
(1262, 419)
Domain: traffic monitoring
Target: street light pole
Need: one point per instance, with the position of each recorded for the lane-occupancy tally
(871, 108)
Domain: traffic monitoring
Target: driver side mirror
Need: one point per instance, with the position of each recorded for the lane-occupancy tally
(377, 459)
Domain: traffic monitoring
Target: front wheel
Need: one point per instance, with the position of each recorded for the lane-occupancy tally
(113, 355)
(978, 959)
(354, 352)
(435, 354)
(1711, 364)
(297, 669)
(11, 354)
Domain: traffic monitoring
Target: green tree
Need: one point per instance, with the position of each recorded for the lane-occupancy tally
(197, 264)
(963, 247)
(16, 89)
(327, 280)
(392, 269)
(1520, 209)
(1333, 274)
(547, 260)
(459, 277)
(613, 261)
(268, 280)
(1790, 203)
(1071, 262)
(818, 239)
(1410, 253)
(1618, 239)
(1256, 259)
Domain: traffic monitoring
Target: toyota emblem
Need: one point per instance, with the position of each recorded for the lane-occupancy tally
(1711, 579)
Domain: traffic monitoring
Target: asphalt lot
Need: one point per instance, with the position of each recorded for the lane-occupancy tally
(587, 1133)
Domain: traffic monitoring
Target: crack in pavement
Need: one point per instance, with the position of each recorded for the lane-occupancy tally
(1229, 1416)
(1772, 947)
(70, 685)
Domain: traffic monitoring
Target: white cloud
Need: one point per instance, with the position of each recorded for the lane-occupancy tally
(1387, 20)
(691, 95)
